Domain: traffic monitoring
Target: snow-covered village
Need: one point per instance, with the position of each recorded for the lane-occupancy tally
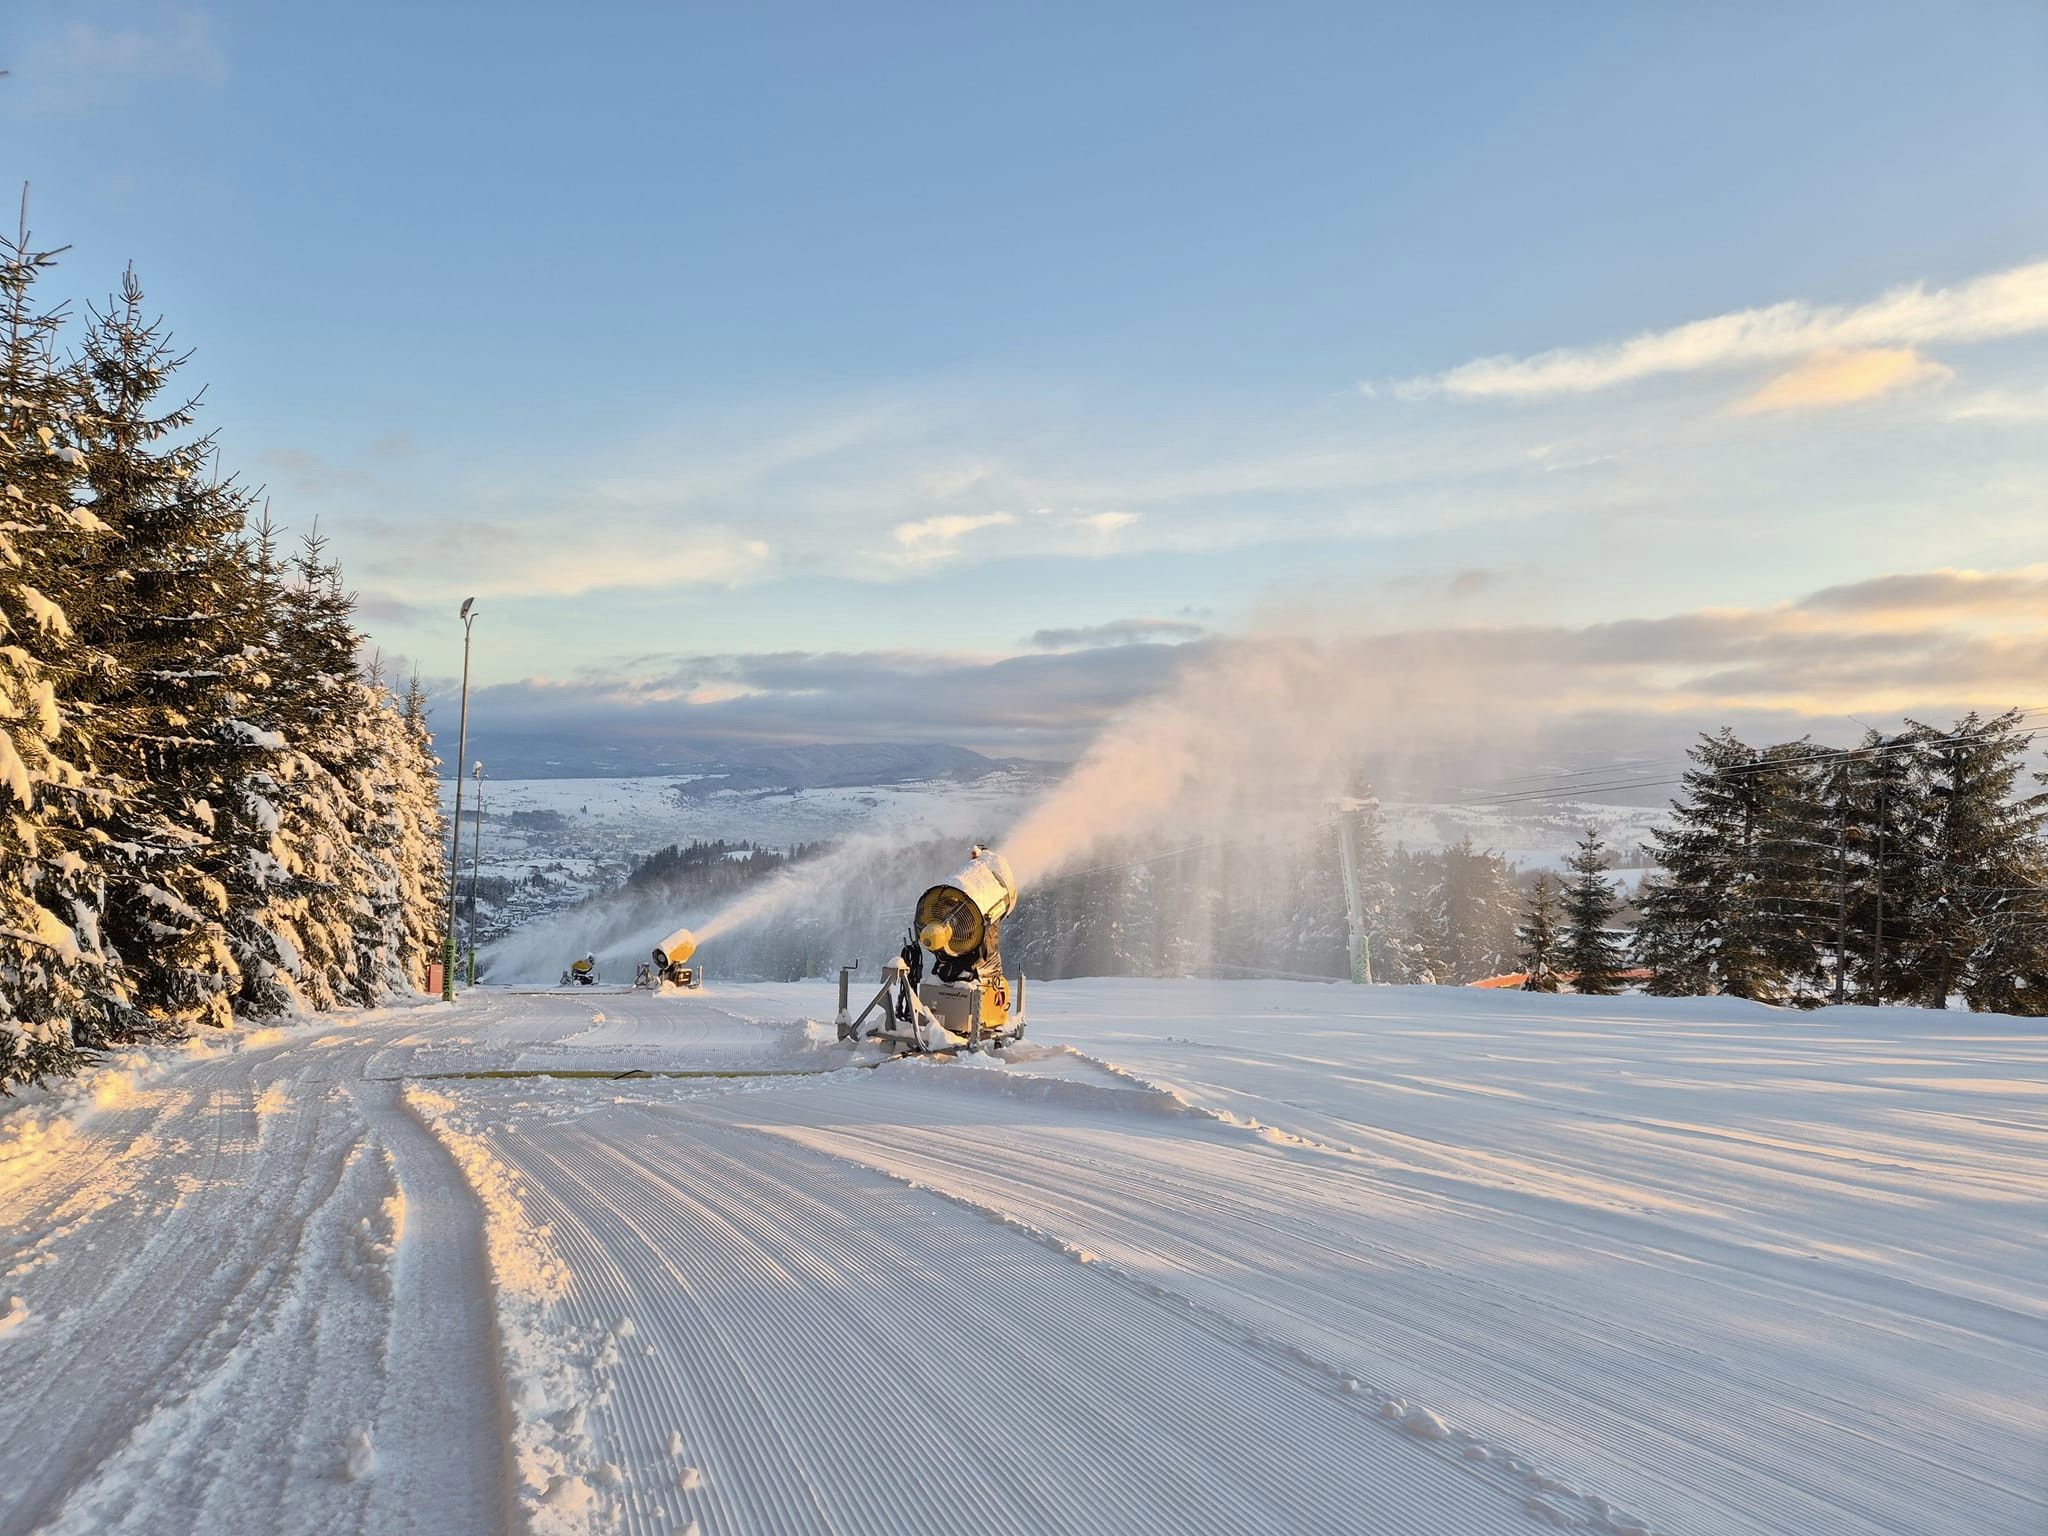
(1053, 770)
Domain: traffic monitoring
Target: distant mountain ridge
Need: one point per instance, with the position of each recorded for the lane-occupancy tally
(817, 765)
(835, 766)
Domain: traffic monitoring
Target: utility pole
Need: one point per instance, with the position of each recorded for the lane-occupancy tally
(468, 617)
(1842, 903)
(1877, 873)
(476, 861)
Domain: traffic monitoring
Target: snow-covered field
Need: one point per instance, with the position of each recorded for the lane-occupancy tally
(1216, 1257)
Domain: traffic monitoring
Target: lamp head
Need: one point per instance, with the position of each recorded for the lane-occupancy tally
(467, 604)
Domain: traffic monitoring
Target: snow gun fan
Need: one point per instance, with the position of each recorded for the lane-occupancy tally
(672, 963)
(966, 999)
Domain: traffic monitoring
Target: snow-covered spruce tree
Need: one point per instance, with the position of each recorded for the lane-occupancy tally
(1880, 806)
(355, 881)
(1414, 954)
(1318, 925)
(1591, 952)
(1796, 862)
(422, 835)
(1477, 909)
(387, 954)
(167, 590)
(1665, 942)
(267, 900)
(1707, 922)
(59, 997)
(325, 782)
(1976, 920)
(1538, 935)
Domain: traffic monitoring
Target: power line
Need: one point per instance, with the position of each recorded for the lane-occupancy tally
(1756, 765)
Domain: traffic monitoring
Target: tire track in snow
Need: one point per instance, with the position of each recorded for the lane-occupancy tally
(441, 1431)
(209, 1281)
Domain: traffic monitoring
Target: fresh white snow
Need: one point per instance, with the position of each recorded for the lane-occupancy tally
(1199, 1257)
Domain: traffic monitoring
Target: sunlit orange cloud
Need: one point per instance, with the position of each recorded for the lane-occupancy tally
(1907, 600)
(1843, 376)
(2009, 303)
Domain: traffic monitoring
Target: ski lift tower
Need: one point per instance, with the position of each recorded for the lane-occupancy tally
(1360, 939)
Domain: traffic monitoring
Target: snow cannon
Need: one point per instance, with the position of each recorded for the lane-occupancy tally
(672, 957)
(957, 918)
(967, 999)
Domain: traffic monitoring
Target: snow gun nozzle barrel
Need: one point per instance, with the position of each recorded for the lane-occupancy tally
(675, 949)
(954, 916)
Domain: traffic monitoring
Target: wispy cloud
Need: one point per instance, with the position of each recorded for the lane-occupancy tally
(1927, 643)
(935, 540)
(1117, 632)
(568, 551)
(2009, 303)
(1106, 522)
(82, 67)
(1844, 376)
(2002, 405)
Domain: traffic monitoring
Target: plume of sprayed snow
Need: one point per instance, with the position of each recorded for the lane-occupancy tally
(1254, 739)
(810, 884)
(856, 893)
(621, 930)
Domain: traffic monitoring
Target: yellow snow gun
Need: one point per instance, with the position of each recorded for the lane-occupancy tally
(966, 1000)
(672, 957)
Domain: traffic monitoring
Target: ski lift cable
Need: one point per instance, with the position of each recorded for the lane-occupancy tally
(1756, 765)
(1660, 764)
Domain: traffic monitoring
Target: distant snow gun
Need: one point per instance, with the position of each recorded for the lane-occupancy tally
(671, 963)
(966, 1001)
(582, 972)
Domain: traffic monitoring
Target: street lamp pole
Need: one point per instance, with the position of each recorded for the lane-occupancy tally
(476, 861)
(468, 617)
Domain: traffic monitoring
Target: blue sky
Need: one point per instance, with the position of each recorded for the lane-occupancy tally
(708, 344)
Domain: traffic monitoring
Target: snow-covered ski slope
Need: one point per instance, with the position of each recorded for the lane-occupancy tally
(1203, 1257)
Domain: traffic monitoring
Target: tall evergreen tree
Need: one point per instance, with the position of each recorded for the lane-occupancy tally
(1974, 926)
(1475, 908)
(1592, 952)
(1727, 913)
(1667, 941)
(422, 872)
(1881, 810)
(60, 998)
(1539, 937)
(169, 589)
(1794, 862)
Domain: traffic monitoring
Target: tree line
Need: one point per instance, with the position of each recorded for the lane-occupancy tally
(1910, 868)
(212, 808)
